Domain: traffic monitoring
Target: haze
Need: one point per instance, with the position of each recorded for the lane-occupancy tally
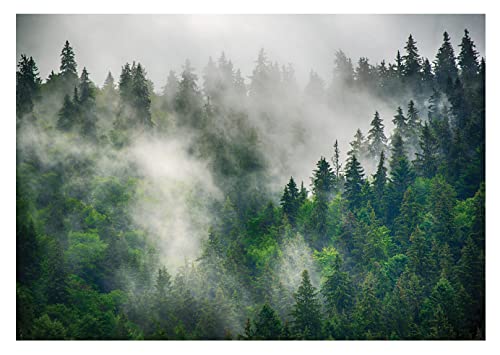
(162, 42)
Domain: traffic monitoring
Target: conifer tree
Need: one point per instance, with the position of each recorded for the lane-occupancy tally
(468, 60)
(380, 187)
(140, 96)
(68, 63)
(400, 123)
(354, 181)
(401, 176)
(267, 324)
(27, 85)
(445, 66)
(290, 201)
(376, 137)
(306, 312)
(426, 162)
(358, 145)
(412, 60)
(414, 126)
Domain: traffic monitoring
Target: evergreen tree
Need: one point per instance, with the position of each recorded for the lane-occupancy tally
(426, 161)
(307, 310)
(468, 60)
(358, 145)
(400, 123)
(170, 90)
(380, 187)
(188, 99)
(27, 85)
(67, 115)
(414, 126)
(68, 63)
(141, 97)
(376, 137)
(337, 168)
(412, 60)
(445, 66)
(290, 201)
(323, 179)
(267, 324)
(354, 181)
(401, 176)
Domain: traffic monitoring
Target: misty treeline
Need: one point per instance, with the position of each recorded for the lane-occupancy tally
(393, 252)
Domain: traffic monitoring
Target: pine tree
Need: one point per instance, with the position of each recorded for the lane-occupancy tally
(380, 187)
(267, 324)
(445, 66)
(141, 97)
(67, 115)
(337, 168)
(27, 85)
(401, 176)
(188, 100)
(376, 137)
(414, 126)
(358, 145)
(468, 60)
(323, 178)
(400, 123)
(170, 90)
(427, 75)
(109, 83)
(307, 310)
(290, 201)
(412, 60)
(338, 291)
(68, 63)
(426, 162)
(399, 66)
(125, 84)
(354, 181)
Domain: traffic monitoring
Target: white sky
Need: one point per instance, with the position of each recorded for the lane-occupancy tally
(163, 42)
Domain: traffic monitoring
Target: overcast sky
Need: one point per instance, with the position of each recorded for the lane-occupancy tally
(162, 42)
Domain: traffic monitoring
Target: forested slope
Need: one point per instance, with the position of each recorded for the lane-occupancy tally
(155, 215)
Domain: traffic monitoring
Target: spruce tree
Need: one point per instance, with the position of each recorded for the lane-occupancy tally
(468, 60)
(27, 85)
(400, 123)
(426, 162)
(141, 97)
(412, 60)
(267, 324)
(380, 187)
(414, 126)
(445, 66)
(401, 176)
(376, 137)
(66, 115)
(290, 201)
(68, 63)
(354, 181)
(306, 312)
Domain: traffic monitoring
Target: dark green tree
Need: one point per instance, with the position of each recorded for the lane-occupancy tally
(290, 201)
(306, 312)
(445, 67)
(354, 181)
(426, 162)
(27, 85)
(468, 60)
(267, 324)
(376, 137)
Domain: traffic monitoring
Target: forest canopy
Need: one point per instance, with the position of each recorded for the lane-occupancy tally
(171, 213)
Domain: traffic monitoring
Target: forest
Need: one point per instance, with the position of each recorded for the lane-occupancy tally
(172, 214)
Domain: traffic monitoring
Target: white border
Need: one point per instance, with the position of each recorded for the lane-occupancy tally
(7, 127)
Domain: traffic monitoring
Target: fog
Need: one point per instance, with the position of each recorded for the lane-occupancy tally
(162, 42)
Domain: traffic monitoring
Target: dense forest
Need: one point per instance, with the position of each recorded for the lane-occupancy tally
(146, 214)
